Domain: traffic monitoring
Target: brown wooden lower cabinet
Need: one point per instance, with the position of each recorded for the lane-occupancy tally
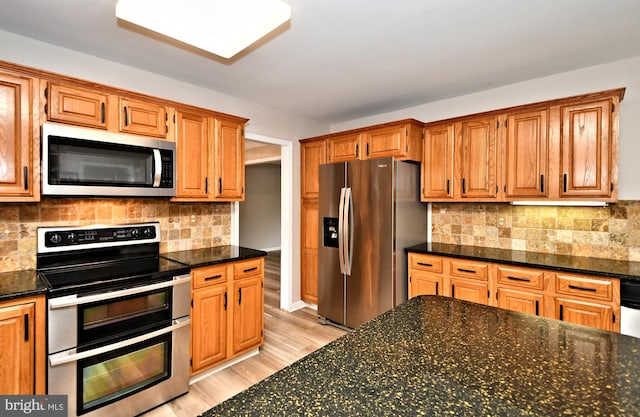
(583, 299)
(22, 343)
(227, 314)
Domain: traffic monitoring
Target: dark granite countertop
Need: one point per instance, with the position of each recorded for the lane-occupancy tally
(210, 256)
(16, 284)
(578, 264)
(440, 356)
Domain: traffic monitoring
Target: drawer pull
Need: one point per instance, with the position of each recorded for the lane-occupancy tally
(578, 287)
(213, 277)
(519, 279)
(471, 271)
(250, 269)
(424, 264)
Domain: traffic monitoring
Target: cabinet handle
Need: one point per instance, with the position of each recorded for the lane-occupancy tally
(448, 184)
(239, 296)
(220, 185)
(542, 183)
(580, 288)
(453, 291)
(564, 182)
(561, 312)
(126, 117)
(250, 269)
(436, 288)
(519, 279)
(25, 175)
(213, 277)
(357, 149)
(102, 112)
(367, 149)
(537, 308)
(424, 264)
(471, 271)
(206, 185)
(464, 188)
(225, 300)
(26, 327)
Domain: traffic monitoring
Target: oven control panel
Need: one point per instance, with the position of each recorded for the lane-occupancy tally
(99, 235)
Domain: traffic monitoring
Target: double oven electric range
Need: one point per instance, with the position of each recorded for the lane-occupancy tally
(118, 318)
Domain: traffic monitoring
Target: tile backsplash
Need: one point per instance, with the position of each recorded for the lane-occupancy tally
(611, 232)
(183, 225)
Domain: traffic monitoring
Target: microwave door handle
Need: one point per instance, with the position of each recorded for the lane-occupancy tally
(157, 165)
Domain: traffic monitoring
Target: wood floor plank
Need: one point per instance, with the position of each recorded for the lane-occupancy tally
(288, 337)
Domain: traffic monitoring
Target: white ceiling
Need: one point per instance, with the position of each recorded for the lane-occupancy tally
(339, 60)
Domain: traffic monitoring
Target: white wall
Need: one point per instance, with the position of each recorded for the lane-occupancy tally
(587, 80)
(260, 212)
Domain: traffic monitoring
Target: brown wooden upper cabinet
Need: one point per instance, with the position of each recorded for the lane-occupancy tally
(97, 109)
(312, 155)
(559, 149)
(401, 139)
(19, 139)
(210, 157)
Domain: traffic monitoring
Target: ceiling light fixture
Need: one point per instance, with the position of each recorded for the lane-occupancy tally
(560, 203)
(222, 27)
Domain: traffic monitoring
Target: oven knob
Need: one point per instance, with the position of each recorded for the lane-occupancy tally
(72, 237)
(147, 232)
(55, 238)
(135, 233)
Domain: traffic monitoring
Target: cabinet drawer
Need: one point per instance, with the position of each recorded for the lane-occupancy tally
(521, 277)
(209, 275)
(425, 263)
(247, 268)
(469, 269)
(589, 287)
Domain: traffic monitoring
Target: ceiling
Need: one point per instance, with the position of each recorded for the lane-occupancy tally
(339, 60)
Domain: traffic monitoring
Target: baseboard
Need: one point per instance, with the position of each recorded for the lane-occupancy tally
(222, 366)
(272, 249)
(298, 305)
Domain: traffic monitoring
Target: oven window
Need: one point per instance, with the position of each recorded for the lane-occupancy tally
(106, 321)
(114, 375)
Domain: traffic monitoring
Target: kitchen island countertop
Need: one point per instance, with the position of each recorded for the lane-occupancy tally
(578, 264)
(213, 255)
(440, 356)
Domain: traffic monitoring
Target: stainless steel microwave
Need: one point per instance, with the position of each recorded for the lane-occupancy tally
(88, 162)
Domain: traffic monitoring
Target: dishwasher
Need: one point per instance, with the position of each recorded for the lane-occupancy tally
(630, 308)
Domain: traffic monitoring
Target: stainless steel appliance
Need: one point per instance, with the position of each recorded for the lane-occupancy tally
(92, 162)
(118, 318)
(369, 211)
(630, 308)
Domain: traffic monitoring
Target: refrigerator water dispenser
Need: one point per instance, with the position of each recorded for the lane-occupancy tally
(330, 232)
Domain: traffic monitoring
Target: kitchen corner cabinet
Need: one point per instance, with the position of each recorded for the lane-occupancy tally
(227, 314)
(210, 157)
(19, 139)
(22, 331)
(592, 301)
(97, 109)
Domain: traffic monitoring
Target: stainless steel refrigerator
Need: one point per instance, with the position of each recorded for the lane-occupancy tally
(369, 211)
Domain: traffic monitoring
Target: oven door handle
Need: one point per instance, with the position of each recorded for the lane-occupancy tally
(74, 300)
(73, 355)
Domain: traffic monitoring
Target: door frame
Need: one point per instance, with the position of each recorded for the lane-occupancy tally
(286, 216)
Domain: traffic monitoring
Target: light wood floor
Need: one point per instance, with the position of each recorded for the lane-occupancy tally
(287, 338)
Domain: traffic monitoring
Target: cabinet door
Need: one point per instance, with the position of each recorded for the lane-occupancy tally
(209, 326)
(476, 146)
(17, 370)
(389, 141)
(228, 161)
(423, 283)
(77, 106)
(16, 143)
(248, 310)
(522, 301)
(475, 291)
(589, 314)
(312, 155)
(527, 155)
(142, 118)
(585, 150)
(309, 230)
(344, 148)
(192, 151)
(437, 169)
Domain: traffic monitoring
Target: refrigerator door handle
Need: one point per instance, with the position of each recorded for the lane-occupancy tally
(348, 247)
(341, 234)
